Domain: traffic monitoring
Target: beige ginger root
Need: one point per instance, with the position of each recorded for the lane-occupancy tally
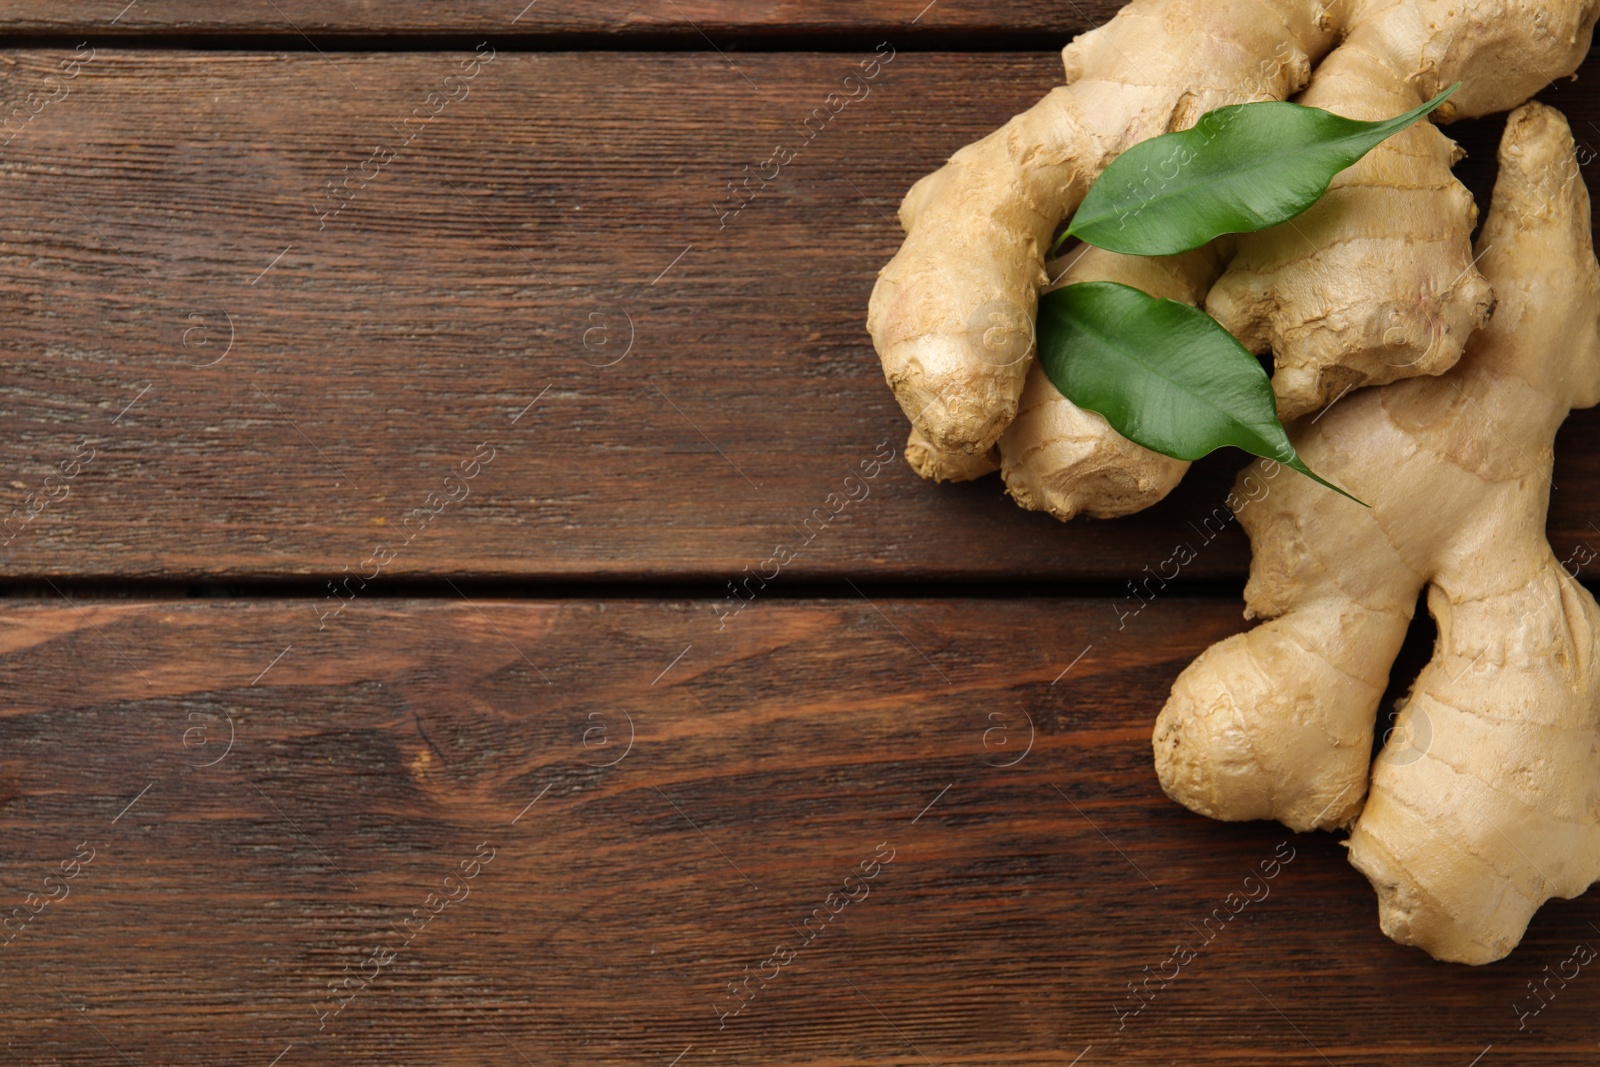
(1056, 456)
(1375, 284)
(1060, 458)
(1485, 801)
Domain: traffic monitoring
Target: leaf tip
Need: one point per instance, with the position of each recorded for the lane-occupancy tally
(1299, 465)
(1434, 104)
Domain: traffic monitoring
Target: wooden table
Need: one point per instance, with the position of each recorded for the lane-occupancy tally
(378, 650)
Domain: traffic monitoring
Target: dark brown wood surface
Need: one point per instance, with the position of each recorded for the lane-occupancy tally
(270, 386)
(608, 18)
(262, 820)
(251, 400)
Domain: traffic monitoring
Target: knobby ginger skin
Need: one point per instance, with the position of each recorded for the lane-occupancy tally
(1060, 458)
(1056, 456)
(1374, 284)
(1486, 799)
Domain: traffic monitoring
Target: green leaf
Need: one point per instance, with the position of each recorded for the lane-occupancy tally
(1164, 374)
(1239, 169)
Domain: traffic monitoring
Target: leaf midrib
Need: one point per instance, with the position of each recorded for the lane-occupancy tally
(1104, 339)
(1220, 177)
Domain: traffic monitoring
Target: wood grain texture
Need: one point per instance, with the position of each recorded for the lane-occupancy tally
(270, 389)
(262, 820)
(719, 18)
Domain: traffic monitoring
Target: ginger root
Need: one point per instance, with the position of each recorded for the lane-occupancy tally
(1374, 284)
(1056, 456)
(1060, 458)
(1485, 801)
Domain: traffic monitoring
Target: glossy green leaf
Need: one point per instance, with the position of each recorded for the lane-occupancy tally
(1164, 374)
(1239, 169)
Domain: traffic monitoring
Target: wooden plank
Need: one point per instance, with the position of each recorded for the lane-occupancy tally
(665, 803)
(250, 381)
(721, 19)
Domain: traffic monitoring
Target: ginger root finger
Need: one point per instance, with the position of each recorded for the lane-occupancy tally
(977, 229)
(1499, 809)
(1060, 458)
(1462, 859)
(1277, 723)
(1501, 51)
(1493, 805)
(1376, 282)
(937, 466)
